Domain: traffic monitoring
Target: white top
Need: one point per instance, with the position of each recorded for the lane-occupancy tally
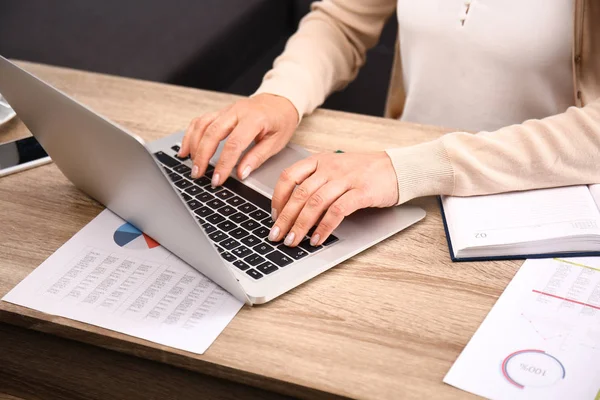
(484, 64)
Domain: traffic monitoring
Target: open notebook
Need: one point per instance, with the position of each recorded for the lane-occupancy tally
(538, 223)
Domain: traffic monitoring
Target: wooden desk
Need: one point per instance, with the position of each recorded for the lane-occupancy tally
(386, 324)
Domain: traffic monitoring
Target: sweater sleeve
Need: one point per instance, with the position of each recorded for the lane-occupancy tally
(327, 51)
(560, 150)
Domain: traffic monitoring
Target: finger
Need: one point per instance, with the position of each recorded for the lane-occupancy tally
(316, 205)
(348, 203)
(289, 178)
(194, 132)
(199, 130)
(185, 143)
(218, 130)
(292, 209)
(261, 152)
(238, 141)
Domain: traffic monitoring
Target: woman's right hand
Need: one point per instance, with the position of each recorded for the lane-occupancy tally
(266, 119)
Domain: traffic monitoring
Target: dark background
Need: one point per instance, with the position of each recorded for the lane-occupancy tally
(221, 45)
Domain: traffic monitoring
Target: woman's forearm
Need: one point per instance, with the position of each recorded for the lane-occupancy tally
(327, 51)
(560, 150)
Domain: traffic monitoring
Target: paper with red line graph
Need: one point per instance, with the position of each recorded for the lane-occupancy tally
(542, 338)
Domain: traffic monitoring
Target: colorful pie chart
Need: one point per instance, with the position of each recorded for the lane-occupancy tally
(130, 237)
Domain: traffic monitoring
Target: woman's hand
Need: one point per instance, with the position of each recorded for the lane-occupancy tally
(267, 119)
(333, 186)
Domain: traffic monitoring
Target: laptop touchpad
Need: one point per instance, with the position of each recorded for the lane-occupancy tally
(265, 178)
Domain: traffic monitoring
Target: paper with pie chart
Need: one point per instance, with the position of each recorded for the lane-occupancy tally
(131, 237)
(542, 338)
(112, 275)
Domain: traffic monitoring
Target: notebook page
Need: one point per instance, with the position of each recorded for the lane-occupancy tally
(595, 191)
(521, 217)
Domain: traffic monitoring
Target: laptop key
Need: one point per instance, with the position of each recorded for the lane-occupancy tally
(248, 194)
(330, 240)
(220, 250)
(250, 225)
(228, 257)
(247, 208)
(174, 176)
(254, 260)
(259, 215)
(251, 241)
(182, 169)
(229, 244)
(193, 190)
(235, 201)
(202, 181)
(186, 196)
(241, 251)
(279, 258)
(295, 252)
(208, 228)
(241, 265)
(175, 148)
(215, 203)
(261, 232)
(227, 210)
(254, 273)
(211, 189)
(262, 248)
(166, 159)
(238, 233)
(226, 226)
(238, 218)
(215, 219)
(193, 204)
(225, 194)
(205, 197)
(218, 236)
(203, 212)
(184, 183)
(305, 244)
(267, 268)
(268, 222)
(188, 175)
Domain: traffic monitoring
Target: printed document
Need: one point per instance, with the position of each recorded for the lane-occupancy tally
(542, 338)
(114, 276)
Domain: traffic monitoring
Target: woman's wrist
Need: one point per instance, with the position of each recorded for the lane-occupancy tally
(422, 170)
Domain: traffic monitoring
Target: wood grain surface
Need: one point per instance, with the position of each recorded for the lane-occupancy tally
(386, 324)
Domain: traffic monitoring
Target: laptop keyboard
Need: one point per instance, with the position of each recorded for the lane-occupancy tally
(237, 219)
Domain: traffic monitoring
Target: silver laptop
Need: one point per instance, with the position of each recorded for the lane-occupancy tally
(221, 232)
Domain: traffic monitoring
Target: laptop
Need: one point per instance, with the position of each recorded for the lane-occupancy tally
(221, 232)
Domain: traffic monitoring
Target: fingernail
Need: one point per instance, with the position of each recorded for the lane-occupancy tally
(215, 181)
(195, 171)
(246, 172)
(314, 240)
(289, 239)
(273, 214)
(274, 234)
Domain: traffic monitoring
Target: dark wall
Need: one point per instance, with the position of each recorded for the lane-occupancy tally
(223, 45)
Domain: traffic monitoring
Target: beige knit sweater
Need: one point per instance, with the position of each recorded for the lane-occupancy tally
(328, 50)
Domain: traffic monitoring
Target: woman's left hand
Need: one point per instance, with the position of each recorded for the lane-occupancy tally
(333, 186)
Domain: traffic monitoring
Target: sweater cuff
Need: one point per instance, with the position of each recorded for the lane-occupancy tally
(290, 91)
(422, 170)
